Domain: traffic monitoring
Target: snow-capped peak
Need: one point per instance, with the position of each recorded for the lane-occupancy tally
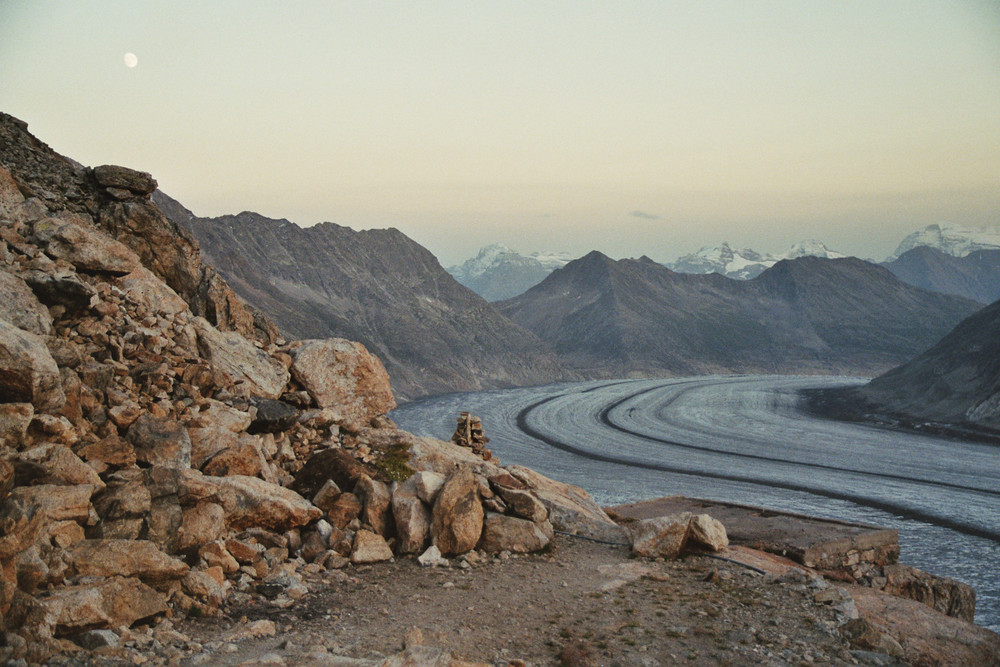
(811, 248)
(951, 239)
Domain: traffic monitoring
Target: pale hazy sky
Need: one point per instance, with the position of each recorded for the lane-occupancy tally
(630, 127)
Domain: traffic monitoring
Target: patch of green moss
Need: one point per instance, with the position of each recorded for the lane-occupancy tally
(394, 462)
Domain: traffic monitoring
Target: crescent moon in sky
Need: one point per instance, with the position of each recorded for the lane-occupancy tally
(131, 60)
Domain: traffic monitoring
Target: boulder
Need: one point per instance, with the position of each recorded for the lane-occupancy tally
(128, 558)
(161, 442)
(430, 454)
(200, 524)
(202, 586)
(327, 495)
(249, 501)
(376, 502)
(925, 636)
(20, 306)
(62, 466)
(330, 464)
(369, 548)
(126, 497)
(272, 415)
(208, 441)
(457, 517)
(6, 478)
(143, 288)
(120, 601)
(84, 247)
(509, 533)
(14, 421)
(243, 458)
(660, 537)
(62, 288)
(250, 368)
(523, 503)
(215, 554)
(571, 509)
(59, 503)
(346, 508)
(341, 375)
(427, 484)
(947, 596)
(123, 178)
(705, 531)
(412, 517)
(28, 374)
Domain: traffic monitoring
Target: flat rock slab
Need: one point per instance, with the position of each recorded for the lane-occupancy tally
(814, 542)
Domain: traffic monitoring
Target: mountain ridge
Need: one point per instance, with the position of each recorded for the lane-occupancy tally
(810, 314)
(378, 287)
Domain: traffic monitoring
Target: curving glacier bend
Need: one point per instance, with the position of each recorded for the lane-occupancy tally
(743, 439)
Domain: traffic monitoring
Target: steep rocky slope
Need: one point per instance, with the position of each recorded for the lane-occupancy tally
(155, 464)
(378, 287)
(974, 276)
(804, 315)
(956, 381)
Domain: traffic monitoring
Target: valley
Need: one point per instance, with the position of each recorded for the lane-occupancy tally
(743, 439)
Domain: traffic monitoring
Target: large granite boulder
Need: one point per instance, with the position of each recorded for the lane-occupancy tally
(457, 517)
(249, 501)
(20, 307)
(84, 247)
(254, 370)
(343, 376)
(28, 373)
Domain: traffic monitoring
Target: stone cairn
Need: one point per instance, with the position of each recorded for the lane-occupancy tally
(469, 433)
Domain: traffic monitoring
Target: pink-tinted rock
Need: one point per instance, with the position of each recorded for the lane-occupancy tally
(130, 558)
(28, 374)
(343, 376)
(457, 518)
(249, 501)
(509, 533)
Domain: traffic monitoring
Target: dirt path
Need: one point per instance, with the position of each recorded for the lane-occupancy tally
(584, 603)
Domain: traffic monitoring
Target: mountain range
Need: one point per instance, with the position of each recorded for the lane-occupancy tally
(744, 263)
(619, 317)
(975, 275)
(377, 287)
(499, 272)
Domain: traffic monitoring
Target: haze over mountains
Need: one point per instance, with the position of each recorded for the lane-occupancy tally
(499, 272)
(593, 317)
(623, 317)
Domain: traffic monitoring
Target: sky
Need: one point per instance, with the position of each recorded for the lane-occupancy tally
(634, 128)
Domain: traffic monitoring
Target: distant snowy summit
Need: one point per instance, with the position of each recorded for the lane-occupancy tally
(498, 272)
(744, 263)
(950, 239)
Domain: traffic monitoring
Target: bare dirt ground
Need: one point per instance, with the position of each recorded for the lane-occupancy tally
(580, 604)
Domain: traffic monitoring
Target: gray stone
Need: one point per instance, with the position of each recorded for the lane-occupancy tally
(28, 374)
(413, 518)
(20, 306)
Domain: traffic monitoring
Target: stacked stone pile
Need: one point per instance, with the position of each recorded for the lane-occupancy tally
(162, 448)
(469, 433)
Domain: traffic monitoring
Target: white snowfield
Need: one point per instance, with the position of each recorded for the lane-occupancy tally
(744, 263)
(492, 256)
(744, 439)
(951, 239)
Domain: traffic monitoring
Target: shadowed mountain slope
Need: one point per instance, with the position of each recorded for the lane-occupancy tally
(610, 317)
(974, 276)
(957, 380)
(378, 287)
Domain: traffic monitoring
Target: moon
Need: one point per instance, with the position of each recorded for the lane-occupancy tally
(130, 60)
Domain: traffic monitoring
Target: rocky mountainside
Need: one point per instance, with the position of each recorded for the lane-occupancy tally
(155, 462)
(956, 381)
(805, 315)
(378, 287)
(498, 272)
(951, 239)
(974, 276)
(744, 263)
